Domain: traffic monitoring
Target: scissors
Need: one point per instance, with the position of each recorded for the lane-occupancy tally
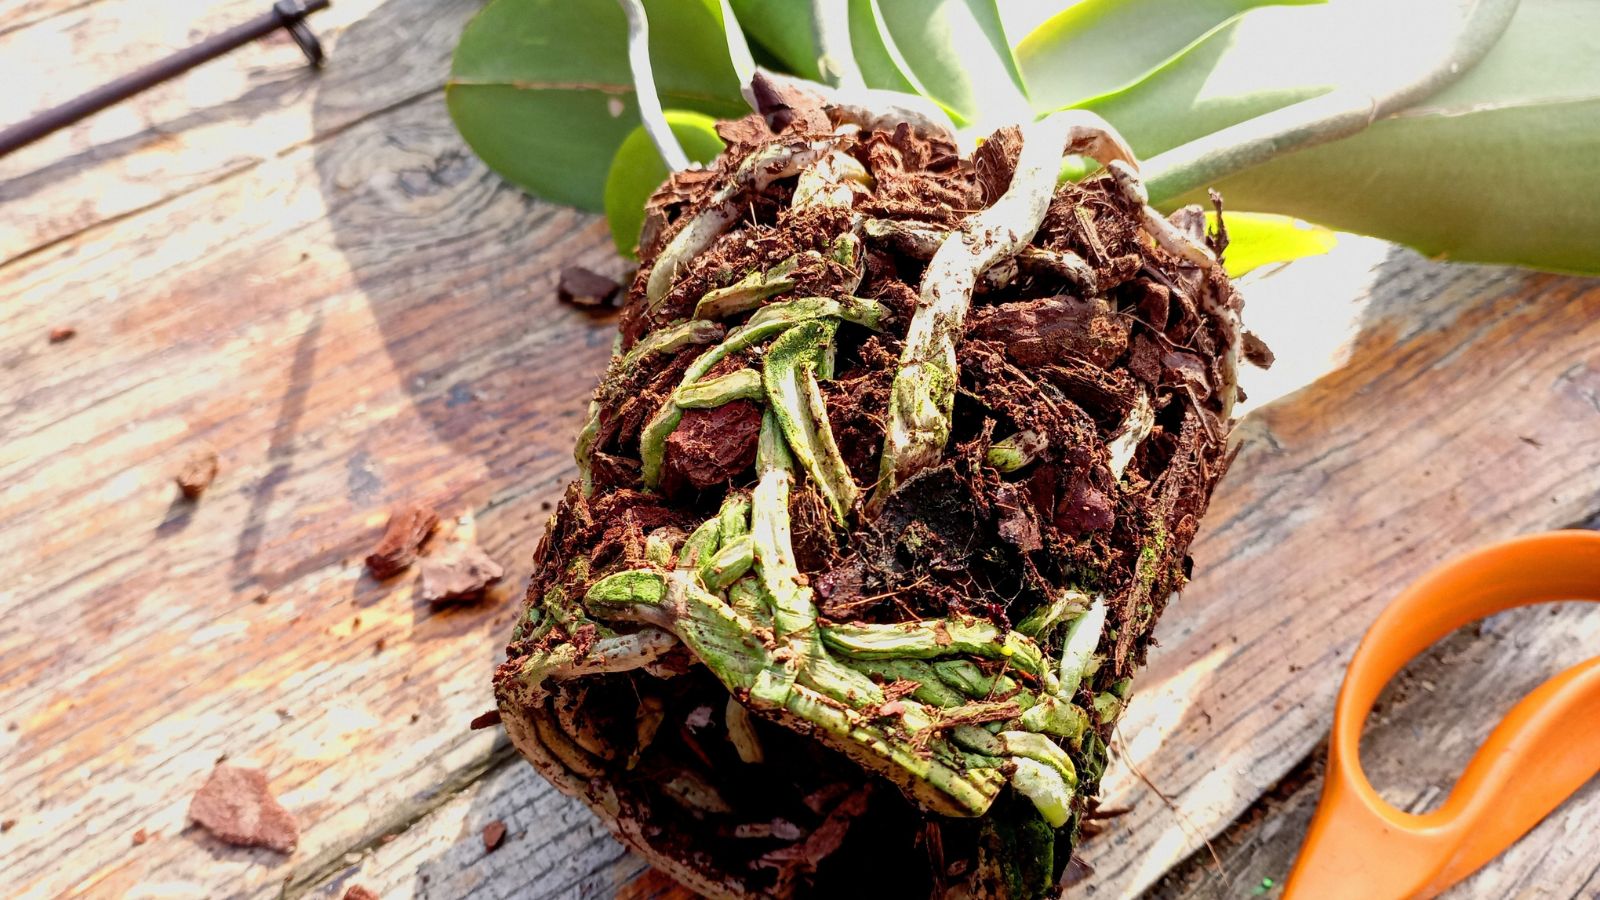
(1358, 845)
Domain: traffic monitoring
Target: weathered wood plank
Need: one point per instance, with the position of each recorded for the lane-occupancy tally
(1415, 747)
(554, 850)
(1430, 721)
(1411, 306)
(235, 112)
(364, 320)
(1463, 413)
(18, 14)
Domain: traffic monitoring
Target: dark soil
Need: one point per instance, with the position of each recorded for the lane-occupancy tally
(960, 537)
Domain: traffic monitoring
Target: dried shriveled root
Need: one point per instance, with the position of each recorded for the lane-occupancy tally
(881, 593)
(774, 161)
(1169, 236)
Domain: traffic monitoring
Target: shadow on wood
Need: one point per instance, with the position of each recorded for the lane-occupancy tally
(434, 262)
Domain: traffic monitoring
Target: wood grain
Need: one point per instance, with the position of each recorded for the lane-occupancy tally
(346, 328)
(18, 14)
(1464, 412)
(554, 848)
(232, 114)
(1437, 318)
(1430, 721)
(314, 277)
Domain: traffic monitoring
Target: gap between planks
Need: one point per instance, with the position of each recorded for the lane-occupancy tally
(327, 864)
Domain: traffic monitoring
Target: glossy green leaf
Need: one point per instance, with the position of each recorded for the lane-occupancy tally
(1021, 17)
(1256, 62)
(957, 50)
(1098, 46)
(879, 58)
(783, 29)
(542, 91)
(1261, 239)
(1498, 167)
(637, 170)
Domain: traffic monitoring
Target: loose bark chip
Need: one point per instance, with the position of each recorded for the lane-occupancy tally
(237, 807)
(494, 834)
(457, 575)
(1256, 351)
(408, 529)
(198, 471)
(587, 288)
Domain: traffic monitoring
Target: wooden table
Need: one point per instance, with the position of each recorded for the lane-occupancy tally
(313, 276)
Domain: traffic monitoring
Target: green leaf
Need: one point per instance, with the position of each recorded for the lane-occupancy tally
(782, 28)
(1261, 239)
(880, 61)
(957, 50)
(1254, 63)
(542, 91)
(1098, 46)
(1020, 19)
(637, 170)
(1498, 167)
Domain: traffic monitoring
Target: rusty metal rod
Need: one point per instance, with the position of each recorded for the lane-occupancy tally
(286, 14)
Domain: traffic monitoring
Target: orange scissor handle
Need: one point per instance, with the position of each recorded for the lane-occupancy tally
(1359, 846)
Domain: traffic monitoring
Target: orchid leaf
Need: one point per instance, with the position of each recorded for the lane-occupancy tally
(542, 90)
(637, 170)
(783, 28)
(1498, 167)
(1262, 60)
(957, 50)
(1261, 239)
(1020, 19)
(1095, 47)
(882, 65)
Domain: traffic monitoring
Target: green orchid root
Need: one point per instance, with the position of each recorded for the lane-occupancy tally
(867, 546)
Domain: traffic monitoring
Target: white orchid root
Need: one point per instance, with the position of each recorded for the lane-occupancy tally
(777, 160)
(687, 650)
(924, 388)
